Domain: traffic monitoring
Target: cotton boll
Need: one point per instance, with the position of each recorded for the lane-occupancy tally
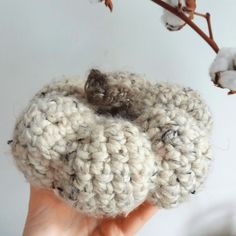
(227, 79)
(223, 69)
(172, 22)
(221, 64)
(224, 60)
(227, 52)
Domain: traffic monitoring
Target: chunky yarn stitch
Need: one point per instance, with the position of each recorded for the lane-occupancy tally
(107, 144)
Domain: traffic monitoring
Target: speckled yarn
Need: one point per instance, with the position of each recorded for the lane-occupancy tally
(107, 144)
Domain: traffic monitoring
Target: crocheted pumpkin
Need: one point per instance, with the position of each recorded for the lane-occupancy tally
(107, 144)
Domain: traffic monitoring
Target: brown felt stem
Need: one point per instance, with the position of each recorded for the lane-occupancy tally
(187, 20)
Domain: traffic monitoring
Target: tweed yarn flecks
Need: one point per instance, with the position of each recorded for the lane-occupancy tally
(107, 144)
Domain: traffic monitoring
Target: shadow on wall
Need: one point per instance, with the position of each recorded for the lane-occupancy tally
(219, 220)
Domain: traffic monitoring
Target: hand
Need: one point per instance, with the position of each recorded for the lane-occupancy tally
(50, 216)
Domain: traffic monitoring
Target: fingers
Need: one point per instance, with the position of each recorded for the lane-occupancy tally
(128, 226)
(136, 219)
(120, 226)
(41, 194)
(40, 197)
(48, 213)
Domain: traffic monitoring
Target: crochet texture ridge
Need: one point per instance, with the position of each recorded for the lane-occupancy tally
(111, 141)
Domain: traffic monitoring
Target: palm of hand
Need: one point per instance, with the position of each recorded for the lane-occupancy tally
(48, 215)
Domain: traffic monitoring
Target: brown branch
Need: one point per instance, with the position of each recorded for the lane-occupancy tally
(207, 16)
(187, 20)
(209, 25)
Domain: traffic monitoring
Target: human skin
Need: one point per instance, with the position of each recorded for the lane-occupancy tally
(50, 216)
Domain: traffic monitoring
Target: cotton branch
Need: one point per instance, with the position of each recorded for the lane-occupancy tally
(223, 68)
(175, 10)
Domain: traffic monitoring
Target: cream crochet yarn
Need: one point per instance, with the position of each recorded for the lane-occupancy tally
(107, 144)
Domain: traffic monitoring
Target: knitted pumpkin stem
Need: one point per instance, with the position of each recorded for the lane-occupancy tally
(209, 39)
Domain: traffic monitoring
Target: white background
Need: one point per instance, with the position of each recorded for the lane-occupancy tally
(41, 40)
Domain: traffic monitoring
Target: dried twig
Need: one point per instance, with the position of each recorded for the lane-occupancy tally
(175, 10)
